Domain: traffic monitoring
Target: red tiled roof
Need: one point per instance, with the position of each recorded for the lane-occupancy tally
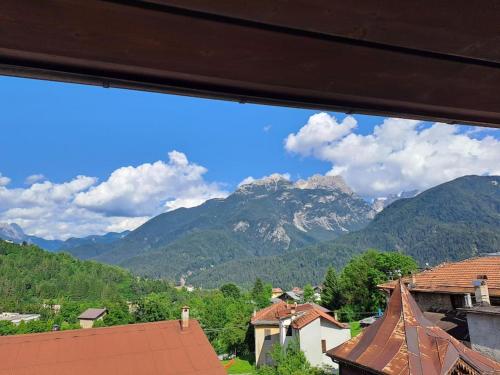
(308, 312)
(456, 277)
(160, 348)
(312, 315)
(277, 290)
(404, 342)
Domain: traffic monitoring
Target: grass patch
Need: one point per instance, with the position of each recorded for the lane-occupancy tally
(355, 328)
(240, 366)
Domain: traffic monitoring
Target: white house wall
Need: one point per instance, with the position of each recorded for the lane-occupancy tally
(310, 341)
(334, 336)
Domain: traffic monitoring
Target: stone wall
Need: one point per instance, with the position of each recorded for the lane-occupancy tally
(433, 301)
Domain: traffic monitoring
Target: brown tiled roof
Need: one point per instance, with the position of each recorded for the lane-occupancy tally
(92, 314)
(311, 315)
(160, 348)
(456, 277)
(403, 341)
(307, 311)
(277, 290)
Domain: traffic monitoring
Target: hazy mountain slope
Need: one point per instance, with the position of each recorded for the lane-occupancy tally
(266, 217)
(13, 232)
(452, 221)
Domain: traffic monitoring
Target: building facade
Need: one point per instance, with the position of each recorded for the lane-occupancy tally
(403, 341)
(311, 325)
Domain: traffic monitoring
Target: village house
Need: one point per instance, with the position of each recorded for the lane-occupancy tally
(449, 286)
(289, 297)
(483, 320)
(308, 323)
(445, 290)
(161, 348)
(276, 292)
(403, 341)
(90, 316)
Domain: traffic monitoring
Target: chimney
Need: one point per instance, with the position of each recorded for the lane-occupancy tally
(185, 318)
(481, 290)
(294, 308)
(413, 281)
(467, 300)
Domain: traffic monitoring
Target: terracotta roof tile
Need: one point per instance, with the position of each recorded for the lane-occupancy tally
(456, 277)
(146, 349)
(403, 341)
(308, 312)
(311, 315)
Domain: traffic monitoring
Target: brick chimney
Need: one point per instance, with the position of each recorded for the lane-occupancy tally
(481, 290)
(185, 318)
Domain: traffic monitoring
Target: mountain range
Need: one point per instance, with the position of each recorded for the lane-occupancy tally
(266, 217)
(289, 232)
(13, 232)
(452, 221)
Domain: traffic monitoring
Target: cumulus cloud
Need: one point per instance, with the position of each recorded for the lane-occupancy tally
(321, 129)
(399, 155)
(128, 198)
(30, 180)
(4, 181)
(151, 188)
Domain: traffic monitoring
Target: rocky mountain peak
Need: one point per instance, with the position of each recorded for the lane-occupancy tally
(380, 203)
(324, 182)
(270, 183)
(11, 231)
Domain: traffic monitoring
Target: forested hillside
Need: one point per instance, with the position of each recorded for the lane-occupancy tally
(452, 221)
(30, 275)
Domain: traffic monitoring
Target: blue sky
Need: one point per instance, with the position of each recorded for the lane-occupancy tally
(62, 130)
(78, 160)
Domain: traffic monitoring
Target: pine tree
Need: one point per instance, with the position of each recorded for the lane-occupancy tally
(331, 294)
(259, 294)
(308, 293)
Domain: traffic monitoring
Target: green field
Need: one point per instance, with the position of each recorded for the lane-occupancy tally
(355, 328)
(240, 366)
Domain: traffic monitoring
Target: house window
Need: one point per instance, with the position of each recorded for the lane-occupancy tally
(267, 334)
(323, 346)
(289, 331)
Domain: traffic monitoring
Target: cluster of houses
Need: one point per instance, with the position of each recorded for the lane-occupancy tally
(296, 294)
(442, 321)
(445, 320)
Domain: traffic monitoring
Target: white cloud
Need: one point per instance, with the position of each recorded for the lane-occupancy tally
(30, 180)
(4, 181)
(267, 128)
(148, 189)
(128, 198)
(321, 130)
(399, 154)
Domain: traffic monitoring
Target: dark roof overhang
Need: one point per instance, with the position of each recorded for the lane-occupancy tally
(430, 60)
